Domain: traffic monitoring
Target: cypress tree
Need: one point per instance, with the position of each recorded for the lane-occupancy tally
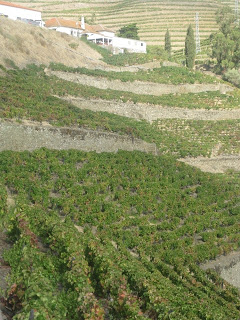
(168, 46)
(190, 48)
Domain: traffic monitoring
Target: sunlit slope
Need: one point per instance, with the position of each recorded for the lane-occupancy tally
(153, 17)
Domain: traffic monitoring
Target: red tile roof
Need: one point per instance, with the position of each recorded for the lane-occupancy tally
(9, 4)
(59, 22)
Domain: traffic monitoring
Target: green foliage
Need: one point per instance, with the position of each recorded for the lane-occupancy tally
(222, 48)
(190, 48)
(165, 75)
(130, 31)
(225, 19)
(136, 240)
(154, 53)
(74, 45)
(226, 43)
(168, 46)
(232, 76)
(94, 240)
(195, 137)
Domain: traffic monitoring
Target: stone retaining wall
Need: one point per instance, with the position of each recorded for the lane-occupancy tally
(139, 87)
(19, 137)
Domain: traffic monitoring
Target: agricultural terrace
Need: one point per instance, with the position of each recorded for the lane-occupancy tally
(152, 17)
(90, 237)
(22, 89)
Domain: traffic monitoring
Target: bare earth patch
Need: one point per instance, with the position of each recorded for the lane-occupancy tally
(217, 164)
(228, 267)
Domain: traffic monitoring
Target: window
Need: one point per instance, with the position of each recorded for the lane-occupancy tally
(141, 44)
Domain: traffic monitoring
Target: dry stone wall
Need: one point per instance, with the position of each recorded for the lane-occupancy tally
(139, 87)
(150, 112)
(19, 137)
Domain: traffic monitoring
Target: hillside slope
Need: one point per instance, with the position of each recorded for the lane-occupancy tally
(153, 17)
(24, 44)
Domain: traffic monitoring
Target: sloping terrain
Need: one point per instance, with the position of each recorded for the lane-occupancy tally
(115, 235)
(22, 44)
(153, 17)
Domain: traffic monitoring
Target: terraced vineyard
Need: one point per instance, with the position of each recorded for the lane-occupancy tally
(153, 17)
(117, 235)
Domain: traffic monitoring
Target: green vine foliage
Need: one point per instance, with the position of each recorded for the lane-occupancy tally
(93, 240)
(116, 236)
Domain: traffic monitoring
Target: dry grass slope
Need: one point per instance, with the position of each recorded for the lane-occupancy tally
(24, 44)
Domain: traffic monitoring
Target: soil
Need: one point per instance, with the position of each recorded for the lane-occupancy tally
(227, 266)
(217, 164)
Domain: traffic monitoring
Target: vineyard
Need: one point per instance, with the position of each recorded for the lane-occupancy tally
(117, 235)
(94, 240)
(153, 17)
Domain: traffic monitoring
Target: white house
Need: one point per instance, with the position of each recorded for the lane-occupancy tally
(17, 12)
(97, 34)
(73, 28)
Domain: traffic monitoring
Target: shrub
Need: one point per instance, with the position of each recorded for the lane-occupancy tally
(232, 76)
(73, 45)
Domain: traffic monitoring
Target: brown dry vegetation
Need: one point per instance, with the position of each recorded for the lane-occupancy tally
(24, 44)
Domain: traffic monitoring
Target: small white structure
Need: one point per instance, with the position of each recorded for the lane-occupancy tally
(73, 28)
(97, 34)
(17, 12)
(130, 45)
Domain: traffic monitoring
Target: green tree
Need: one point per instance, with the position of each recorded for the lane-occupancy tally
(130, 31)
(226, 43)
(168, 46)
(225, 19)
(190, 48)
(222, 50)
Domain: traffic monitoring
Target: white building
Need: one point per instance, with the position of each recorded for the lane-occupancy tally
(70, 27)
(17, 12)
(97, 34)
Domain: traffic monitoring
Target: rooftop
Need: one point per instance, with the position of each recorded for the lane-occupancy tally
(10, 4)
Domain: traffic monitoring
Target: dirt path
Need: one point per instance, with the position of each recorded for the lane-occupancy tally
(217, 164)
(31, 136)
(150, 112)
(138, 87)
(228, 266)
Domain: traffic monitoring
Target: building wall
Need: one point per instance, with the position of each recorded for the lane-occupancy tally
(107, 34)
(130, 44)
(19, 13)
(71, 31)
